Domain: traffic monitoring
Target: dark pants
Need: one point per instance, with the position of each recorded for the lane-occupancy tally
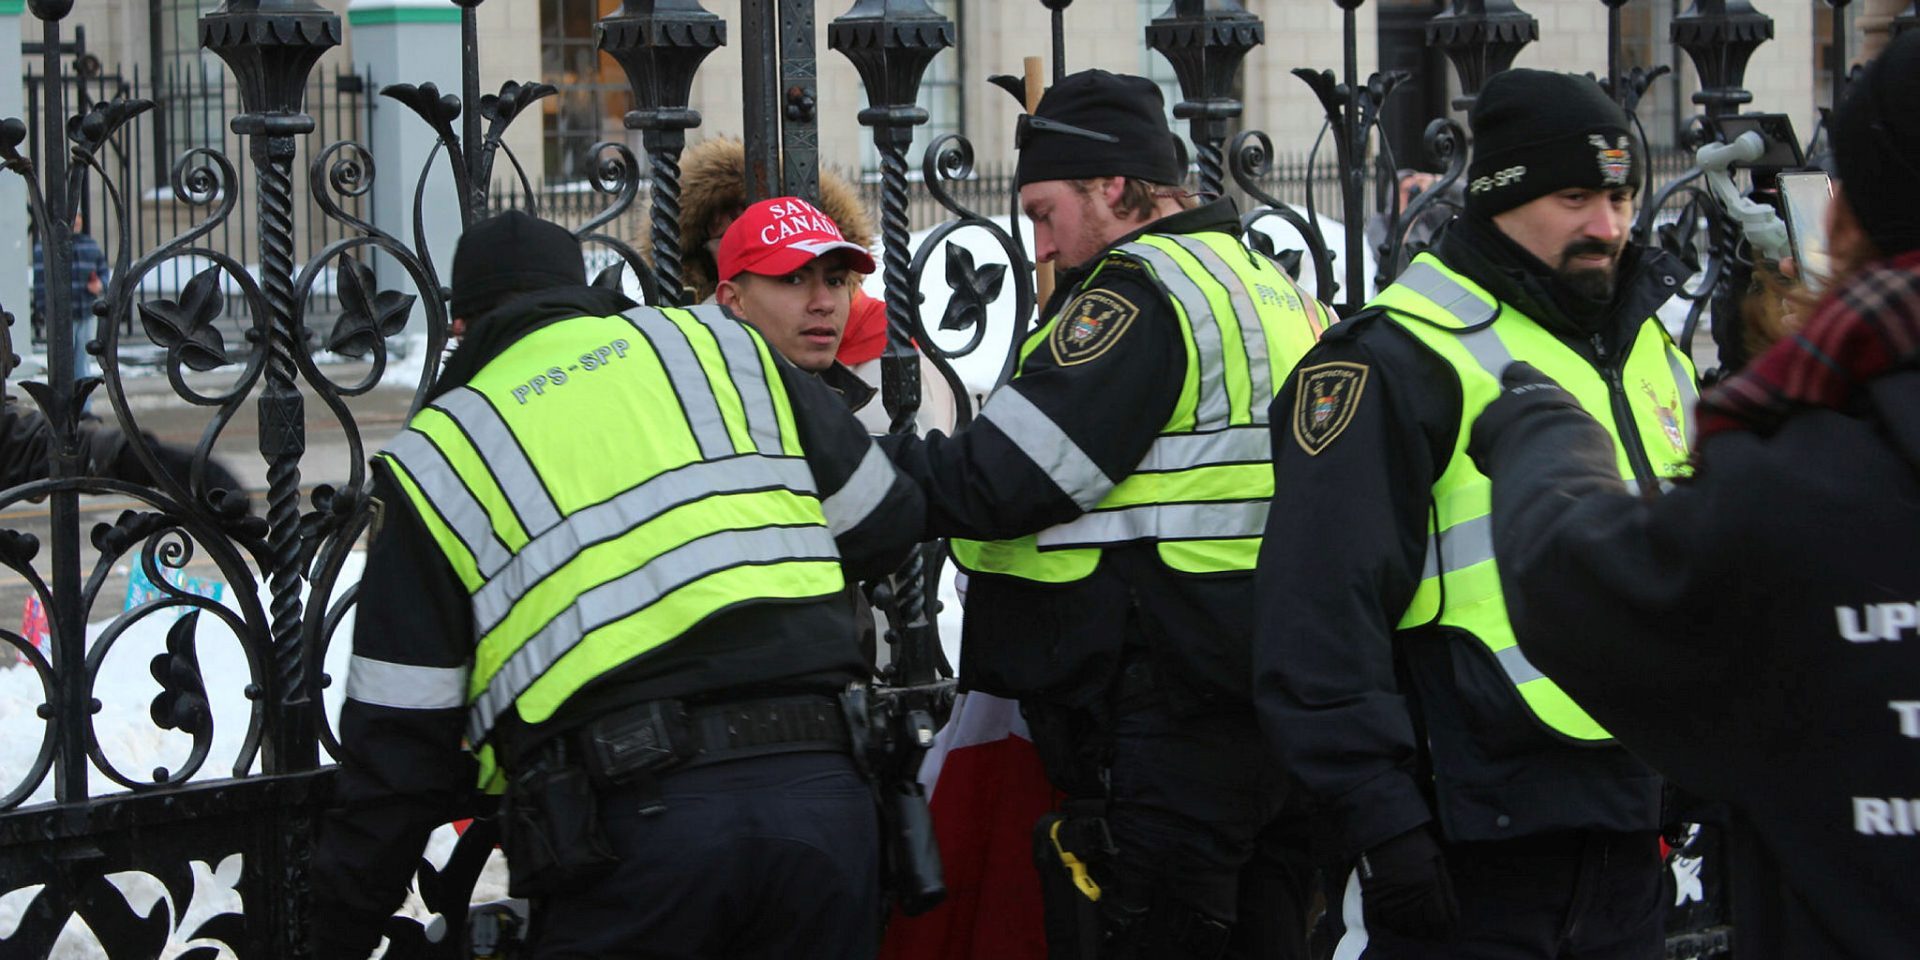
(1193, 805)
(1565, 896)
(770, 857)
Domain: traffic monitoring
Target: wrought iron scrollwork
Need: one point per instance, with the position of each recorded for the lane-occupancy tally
(1446, 143)
(616, 173)
(972, 288)
(1249, 159)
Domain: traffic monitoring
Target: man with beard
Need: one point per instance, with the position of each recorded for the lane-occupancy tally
(1468, 808)
(1776, 586)
(1107, 506)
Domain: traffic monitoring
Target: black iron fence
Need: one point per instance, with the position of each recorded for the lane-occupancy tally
(262, 230)
(1296, 179)
(192, 103)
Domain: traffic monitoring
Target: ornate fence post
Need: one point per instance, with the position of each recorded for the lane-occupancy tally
(15, 250)
(891, 42)
(1205, 43)
(67, 618)
(1353, 110)
(1481, 37)
(271, 45)
(660, 44)
(1837, 50)
(1720, 37)
(1613, 82)
(1058, 30)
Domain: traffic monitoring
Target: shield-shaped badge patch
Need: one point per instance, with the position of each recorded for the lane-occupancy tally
(1089, 325)
(1325, 401)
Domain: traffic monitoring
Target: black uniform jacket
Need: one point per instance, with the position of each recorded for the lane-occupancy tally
(1112, 397)
(1751, 636)
(1387, 728)
(403, 772)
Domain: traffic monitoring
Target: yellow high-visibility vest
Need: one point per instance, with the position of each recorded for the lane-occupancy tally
(1648, 403)
(599, 506)
(1202, 491)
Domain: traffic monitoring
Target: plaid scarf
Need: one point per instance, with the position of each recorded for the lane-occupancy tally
(1859, 331)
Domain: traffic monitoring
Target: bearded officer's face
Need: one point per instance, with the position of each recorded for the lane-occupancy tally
(1073, 219)
(1578, 233)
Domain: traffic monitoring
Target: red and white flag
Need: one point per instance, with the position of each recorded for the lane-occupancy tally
(986, 789)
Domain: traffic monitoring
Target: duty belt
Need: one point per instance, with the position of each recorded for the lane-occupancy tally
(658, 735)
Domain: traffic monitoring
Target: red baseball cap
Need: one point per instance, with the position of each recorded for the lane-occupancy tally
(778, 236)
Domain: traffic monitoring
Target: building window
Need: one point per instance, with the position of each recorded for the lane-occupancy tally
(942, 96)
(1823, 50)
(593, 95)
(1645, 43)
(1155, 67)
(189, 83)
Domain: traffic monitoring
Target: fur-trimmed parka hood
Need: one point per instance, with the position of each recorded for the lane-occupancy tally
(713, 177)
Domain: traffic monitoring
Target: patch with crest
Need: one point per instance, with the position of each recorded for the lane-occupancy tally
(1616, 161)
(1325, 401)
(1090, 325)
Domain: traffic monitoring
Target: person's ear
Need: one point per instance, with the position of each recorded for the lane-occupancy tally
(1111, 190)
(727, 294)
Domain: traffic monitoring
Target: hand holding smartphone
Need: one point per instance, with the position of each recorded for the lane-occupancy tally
(1804, 198)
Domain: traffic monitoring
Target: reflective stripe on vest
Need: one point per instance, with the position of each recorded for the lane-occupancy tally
(1202, 490)
(607, 513)
(1460, 583)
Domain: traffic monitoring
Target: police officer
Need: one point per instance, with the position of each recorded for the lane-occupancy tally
(1751, 635)
(1470, 807)
(1108, 506)
(611, 563)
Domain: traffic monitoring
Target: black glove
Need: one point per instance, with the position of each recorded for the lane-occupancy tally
(1405, 888)
(1523, 390)
(111, 455)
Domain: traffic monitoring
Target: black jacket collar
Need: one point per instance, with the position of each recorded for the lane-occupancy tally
(1648, 277)
(491, 333)
(854, 392)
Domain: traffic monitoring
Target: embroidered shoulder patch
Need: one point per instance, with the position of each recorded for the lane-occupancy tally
(1090, 325)
(1325, 401)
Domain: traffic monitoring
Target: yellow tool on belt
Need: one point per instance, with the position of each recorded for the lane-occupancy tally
(1075, 867)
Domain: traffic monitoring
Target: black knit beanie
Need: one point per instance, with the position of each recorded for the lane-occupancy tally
(1536, 132)
(1126, 108)
(509, 253)
(1876, 147)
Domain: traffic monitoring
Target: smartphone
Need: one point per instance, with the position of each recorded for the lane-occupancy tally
(1804, 196)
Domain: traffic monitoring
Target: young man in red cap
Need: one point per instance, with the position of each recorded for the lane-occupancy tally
(786, 270)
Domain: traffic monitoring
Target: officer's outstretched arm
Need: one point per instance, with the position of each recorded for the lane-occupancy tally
(876, 514)
(403, 771)
(1089, 401)
(1626, 603)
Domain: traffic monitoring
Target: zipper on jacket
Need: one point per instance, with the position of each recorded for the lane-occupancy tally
(1629, 428)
